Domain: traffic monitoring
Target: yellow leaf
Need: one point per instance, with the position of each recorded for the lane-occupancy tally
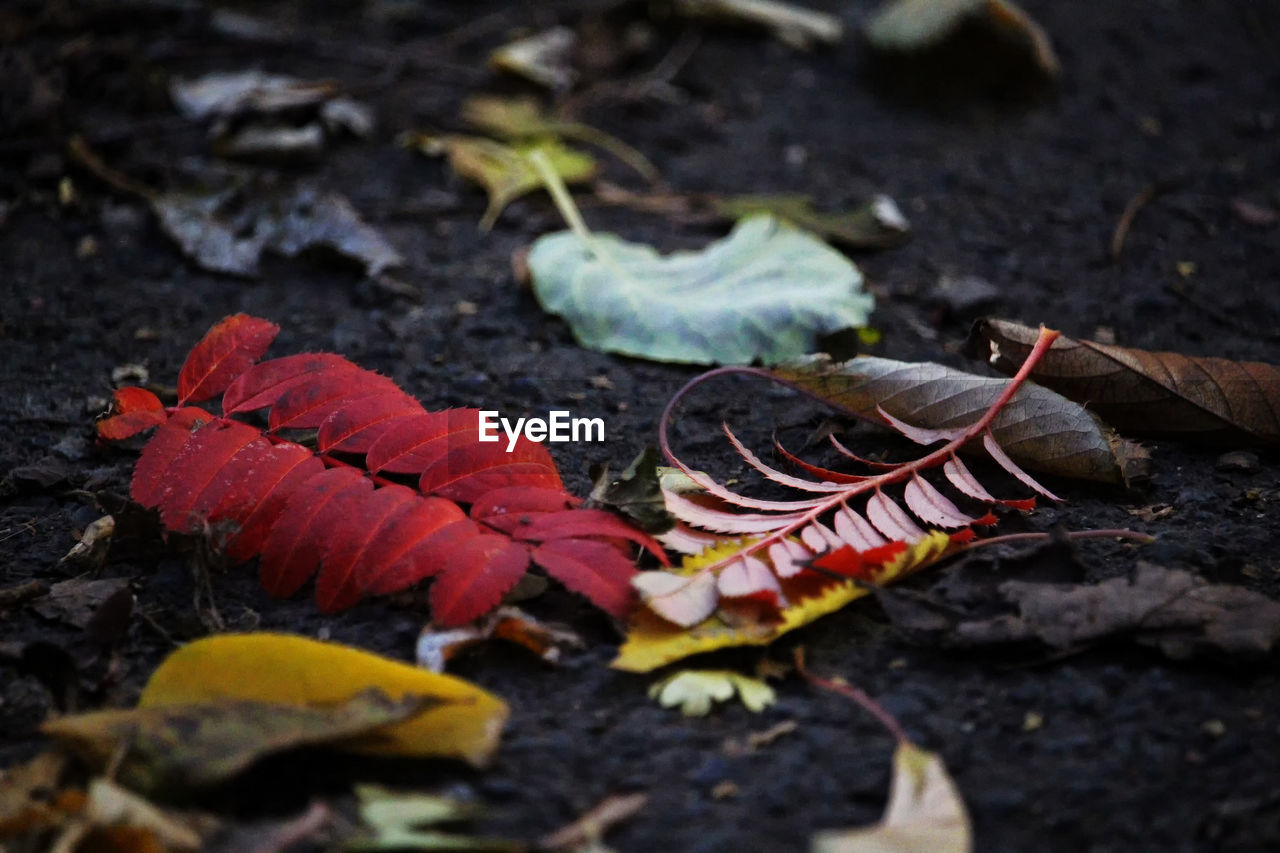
(694, 690)
(296, 670)
(504, 170)
(653, 642)
(925, 812)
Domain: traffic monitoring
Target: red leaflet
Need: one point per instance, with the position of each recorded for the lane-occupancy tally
(132, 411)
(229, 348)
(594, 569)
(481, 570)
(308, 512)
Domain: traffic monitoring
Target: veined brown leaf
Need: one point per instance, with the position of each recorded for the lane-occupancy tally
(1155, 393)
(1038, 428)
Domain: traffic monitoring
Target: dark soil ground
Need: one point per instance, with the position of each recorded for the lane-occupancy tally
(1135, 752)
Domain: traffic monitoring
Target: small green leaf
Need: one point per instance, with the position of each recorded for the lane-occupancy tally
(504, 170)
(767, 291)
(694, 690)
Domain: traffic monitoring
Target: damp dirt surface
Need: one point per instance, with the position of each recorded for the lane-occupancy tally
(1109, 748)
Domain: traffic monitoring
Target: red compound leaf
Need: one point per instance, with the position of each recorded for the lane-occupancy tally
(321, 513)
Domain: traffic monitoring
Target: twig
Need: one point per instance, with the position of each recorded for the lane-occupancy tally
(80, 152)
(1148, 194)
(847, 690)
(11, 596)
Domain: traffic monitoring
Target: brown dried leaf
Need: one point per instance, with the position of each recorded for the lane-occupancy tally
(1176, 611)
(1038, 428)
(1156, 393)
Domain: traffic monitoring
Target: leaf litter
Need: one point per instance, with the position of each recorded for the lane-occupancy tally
(981, 605)
(228, 225)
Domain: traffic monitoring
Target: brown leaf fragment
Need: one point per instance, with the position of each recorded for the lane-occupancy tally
(174, 748)
(590, 827)
(1038, 429)
(1176, 611)
(75, 601)
(635, 493)
(1144, 392)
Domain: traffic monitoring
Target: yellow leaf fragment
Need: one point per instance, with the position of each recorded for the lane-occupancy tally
(504, 170)
(694, 690)
(653, 641)
(289, 669)
(925, 812)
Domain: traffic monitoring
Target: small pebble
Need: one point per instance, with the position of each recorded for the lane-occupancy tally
(1241, 461)
(1214, 728)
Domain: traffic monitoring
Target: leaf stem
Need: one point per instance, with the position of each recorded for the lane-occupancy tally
(858, 695)
(560, 195)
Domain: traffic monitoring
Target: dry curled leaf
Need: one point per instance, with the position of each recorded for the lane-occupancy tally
(1144, 392)
(1176, 611)
(925, 813)
(1038, 428)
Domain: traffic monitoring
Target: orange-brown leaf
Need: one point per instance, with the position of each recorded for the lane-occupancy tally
(1144, 392)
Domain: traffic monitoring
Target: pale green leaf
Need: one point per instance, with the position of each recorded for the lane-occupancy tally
(767, 291)
(695, 690)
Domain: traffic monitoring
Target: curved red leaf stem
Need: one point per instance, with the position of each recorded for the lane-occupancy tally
(858, 695)
(903, 472)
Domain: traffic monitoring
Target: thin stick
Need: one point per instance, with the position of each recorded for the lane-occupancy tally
(868, 704)
(1148, 194)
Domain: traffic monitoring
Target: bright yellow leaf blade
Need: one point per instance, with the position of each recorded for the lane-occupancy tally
(653, 642)
(288, 669)
(925, 812)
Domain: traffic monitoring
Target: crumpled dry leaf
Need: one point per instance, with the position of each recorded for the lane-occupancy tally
(767, 291)
(109, 806)
(694, 690)
(27, 795)
(435, 648)
(281, 668)
(173, 748)
(1038, 428)
(504, 170)
(914, 26)
(878, 224)
(398, 820)
(228, 230)
(1175, 611)
(925, 813)
(635, 493)
(793, 25)
(1154, 393)
(257, 115)
(543, 58)
(230, 93)
(75, 601)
